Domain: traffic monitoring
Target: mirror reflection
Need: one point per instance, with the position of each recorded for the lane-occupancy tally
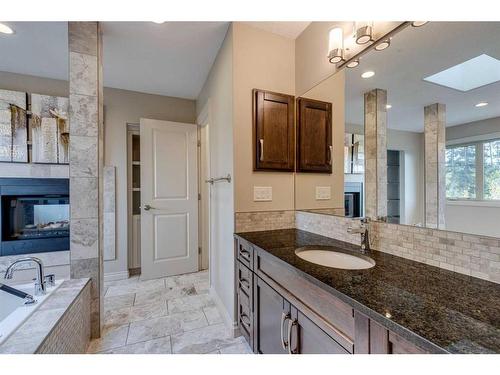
(421, 138)
(429, 112)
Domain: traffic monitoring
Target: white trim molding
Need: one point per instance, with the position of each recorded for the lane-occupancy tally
(230, 324)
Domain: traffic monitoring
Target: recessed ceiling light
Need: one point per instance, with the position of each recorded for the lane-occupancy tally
(368, 74)
(479, 71)
(482, 104)
(383, 45)
(159, 22)
(418, 23)
(352, 64)
(5, 29)
(388, 106)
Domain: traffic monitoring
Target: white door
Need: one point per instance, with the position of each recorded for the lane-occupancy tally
(169, 198)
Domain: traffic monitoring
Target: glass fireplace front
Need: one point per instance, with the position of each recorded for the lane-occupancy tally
(36, 217)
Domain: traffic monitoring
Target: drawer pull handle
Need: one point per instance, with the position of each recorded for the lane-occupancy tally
(245, 319)
(330, 154)
(261, 157)
(245, 254)
(291, 324)
(284, 318)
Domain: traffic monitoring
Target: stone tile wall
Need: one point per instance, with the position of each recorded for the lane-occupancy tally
(265, 220)
(71, 335)
(86, 159)
(376, 153)
(328, 226)
(435, 165)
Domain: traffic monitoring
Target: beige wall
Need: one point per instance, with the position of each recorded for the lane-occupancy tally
(217, 97)
(120, 107)
(330, 90)
(265, 61)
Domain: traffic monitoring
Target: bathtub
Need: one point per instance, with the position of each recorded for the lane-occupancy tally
(13, 311)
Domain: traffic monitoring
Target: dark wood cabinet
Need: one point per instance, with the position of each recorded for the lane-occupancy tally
(281, 312)
(314, 136)
(273, 131)
(272, 312)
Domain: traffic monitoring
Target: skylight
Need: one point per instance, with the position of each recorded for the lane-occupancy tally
(471, 74)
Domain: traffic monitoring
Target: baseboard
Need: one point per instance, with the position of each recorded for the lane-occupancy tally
(113, 276)
(230, 324)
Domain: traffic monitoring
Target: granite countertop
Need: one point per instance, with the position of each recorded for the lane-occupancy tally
(439, 310)
(32, 333)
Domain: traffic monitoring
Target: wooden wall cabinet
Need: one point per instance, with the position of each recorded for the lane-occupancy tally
(273, 131)
(314, 136)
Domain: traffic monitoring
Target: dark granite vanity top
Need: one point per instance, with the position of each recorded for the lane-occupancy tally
(439, 310)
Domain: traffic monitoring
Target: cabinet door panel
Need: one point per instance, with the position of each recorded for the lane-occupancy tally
(314, 136)
(273, 131)
(269, 307)
(307, 338)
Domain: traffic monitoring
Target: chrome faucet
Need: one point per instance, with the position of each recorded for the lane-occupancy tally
(365, 235)
(40, 284)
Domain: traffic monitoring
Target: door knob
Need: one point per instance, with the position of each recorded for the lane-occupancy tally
(147, 207)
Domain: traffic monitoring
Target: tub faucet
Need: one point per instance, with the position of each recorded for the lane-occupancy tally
(365, 235)
(40, 285)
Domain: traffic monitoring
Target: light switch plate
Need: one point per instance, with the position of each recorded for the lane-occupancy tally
(323, 193)
(262, 193)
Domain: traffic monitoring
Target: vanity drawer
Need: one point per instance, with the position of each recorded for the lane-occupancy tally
(244, 253)
(245, 279)
(245, 317)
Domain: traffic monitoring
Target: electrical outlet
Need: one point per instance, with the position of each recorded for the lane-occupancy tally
(262, 193)
(323, 193)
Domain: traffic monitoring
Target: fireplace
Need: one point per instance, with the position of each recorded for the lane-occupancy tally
(34, 215)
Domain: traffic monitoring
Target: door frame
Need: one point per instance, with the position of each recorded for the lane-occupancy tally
(204, 120)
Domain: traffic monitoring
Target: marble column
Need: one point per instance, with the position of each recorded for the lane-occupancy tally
(376, 154)
(435, 165)
(86, 160)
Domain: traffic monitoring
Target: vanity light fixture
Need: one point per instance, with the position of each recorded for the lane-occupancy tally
(4, 29)
(368, 74)
(352, 64)
(336, 45)
(418, 23)
(364, 32)
(383, 44)
(481, 104)
(388, 106)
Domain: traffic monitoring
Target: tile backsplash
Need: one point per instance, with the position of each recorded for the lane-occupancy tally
(264, 220)
(468, 254)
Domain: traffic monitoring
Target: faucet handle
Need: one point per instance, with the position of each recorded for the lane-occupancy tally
(50, 280)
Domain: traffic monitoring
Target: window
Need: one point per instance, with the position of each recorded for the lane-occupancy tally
(491, 165)
(473, 171)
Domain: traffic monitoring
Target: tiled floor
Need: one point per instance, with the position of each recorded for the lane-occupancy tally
(171, 315)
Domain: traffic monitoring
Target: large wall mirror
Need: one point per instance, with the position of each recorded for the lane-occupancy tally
(421, 142)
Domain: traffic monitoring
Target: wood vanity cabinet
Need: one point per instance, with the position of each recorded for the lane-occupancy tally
(314, 136)
(281, 312)
(273, 131)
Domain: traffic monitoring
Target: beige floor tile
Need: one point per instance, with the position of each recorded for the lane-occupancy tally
(111, 337)
(212, 314)
(166, 325)
(190, 303)
(117, 302)
(203, 340)
(156, 346)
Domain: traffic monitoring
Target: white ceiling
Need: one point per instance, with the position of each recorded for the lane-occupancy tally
(173, 58)
(289, 30)
(416, 53)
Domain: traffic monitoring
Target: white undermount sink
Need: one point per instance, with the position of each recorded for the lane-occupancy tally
(324, 256)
